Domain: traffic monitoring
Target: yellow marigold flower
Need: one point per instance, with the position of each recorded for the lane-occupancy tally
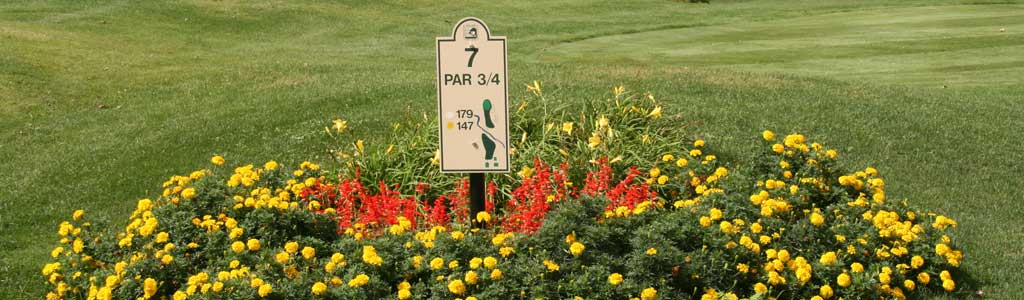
(457, 287)
(496, 274)
(270, 165)
(576, 248)
(817, 219)
(705, 221)
(760, 288)
(552, 266)
(655, 172)
(217, 160)
(651, 251)
(149, 287)
(825, 291)
(253, 244)
(453, 264)
(265, 290)
(291, 247)
(370, 256)
(437, 263)
(319, 288)
(783, 255)
(218, 286)
(506, 251)
(778, 148)
(831, 154)
(167, 259)
(404, 294)
(884, 278)
(715, 214)
(662, 179)
(768, 135)
(615, 279)
(255, 282)
(189, 193)
(238, 247)
(856, 267)
(77, 215)
(667, 157)
(843, 280)
(743, 268)
(50, 268)
(695, 152)
(709, 294)
(698, 143)
(917, 261)
(475, 263)
(77, 246)
(924, 278)
(490, 262)
(282, 257)
(909, 284)
(457, 235)
(359, 280)
(649, 294)
(804, 274)
(682, 162)
(308, 252)
(483, 217)
(949, 285)
(416, 261)
(178, 295)
(756, 227)
(828, 258)
(471, 277)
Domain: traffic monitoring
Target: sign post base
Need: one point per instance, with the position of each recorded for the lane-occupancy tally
(476, 197)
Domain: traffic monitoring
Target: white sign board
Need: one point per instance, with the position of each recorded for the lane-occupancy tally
(472, 100)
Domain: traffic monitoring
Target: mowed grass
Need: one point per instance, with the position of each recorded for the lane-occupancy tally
(100, 101)
(927, 46)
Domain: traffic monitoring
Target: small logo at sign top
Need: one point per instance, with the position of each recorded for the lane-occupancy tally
(471, 33)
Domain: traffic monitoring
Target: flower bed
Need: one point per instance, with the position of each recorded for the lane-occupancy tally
(608, 204)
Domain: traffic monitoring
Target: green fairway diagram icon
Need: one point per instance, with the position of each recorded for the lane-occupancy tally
(487, 113)
(489, 144)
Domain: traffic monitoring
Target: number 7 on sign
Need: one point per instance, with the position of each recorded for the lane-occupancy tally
(472, 56)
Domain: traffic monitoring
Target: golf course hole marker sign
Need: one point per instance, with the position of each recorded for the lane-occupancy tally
(472, 100)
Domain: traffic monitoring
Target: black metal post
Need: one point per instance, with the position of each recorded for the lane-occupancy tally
(476, 196)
